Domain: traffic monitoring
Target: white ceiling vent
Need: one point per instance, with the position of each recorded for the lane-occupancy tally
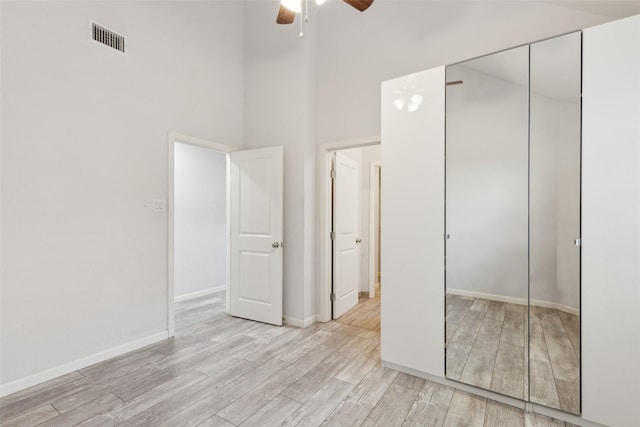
(111, 39)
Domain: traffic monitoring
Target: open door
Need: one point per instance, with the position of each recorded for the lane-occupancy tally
(255, 275)
(346, 253)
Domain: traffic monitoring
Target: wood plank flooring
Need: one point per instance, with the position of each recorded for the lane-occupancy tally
(488, 345)
(555, 359)
(223, 371)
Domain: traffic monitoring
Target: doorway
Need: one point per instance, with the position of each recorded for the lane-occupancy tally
(254, 285)
(198, 209)
(200, 222)
(375, 227)
(338, 281)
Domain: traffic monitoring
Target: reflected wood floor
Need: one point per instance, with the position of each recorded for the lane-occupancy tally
(487, 347)
(487, 344)
(223, 371)
(555, 358)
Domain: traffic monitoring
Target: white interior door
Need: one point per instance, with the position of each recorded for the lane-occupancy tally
(255, 275)
(346, 215)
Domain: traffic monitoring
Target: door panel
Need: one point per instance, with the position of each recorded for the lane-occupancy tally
(346, 252)
(255, 212)
(256, 235)
(252, 267)
(610, 293)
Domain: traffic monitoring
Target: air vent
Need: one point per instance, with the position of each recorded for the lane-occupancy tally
(111, 39)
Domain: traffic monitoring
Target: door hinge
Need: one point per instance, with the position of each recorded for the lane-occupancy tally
(333, 296)
(332, 235)
(578, 242)
(333, 174)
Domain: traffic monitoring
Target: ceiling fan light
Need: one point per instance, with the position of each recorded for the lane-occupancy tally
(319, 2)
(293, 5)
(399, 103)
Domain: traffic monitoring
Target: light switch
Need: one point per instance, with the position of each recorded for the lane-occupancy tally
(159, 205)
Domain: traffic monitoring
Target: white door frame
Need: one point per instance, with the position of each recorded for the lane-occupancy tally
(374, 187)
(172, 138)
(324, 179)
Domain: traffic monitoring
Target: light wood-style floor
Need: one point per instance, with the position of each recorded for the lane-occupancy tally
(224, 371)
(488, 345)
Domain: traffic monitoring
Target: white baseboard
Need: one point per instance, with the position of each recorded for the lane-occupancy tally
(199, 294)
(49, 374)
(513, 300)
(492, 297)
(299, 322)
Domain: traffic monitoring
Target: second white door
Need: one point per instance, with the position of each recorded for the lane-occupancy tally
(346, 248)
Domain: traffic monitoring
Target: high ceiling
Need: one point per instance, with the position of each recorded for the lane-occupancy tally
(612, 8)
(555, 76)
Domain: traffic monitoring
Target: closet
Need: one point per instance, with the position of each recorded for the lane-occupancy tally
(512, 225)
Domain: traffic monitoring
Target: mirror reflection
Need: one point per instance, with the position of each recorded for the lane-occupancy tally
(487, 222)
(555, 223)
(513, 222)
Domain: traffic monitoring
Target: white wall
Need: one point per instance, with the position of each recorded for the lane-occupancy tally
(201, 237)
(280, 102)
(84, 152)
(393, 38)
(611, 223)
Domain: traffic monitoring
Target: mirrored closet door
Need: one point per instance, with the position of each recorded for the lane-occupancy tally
(554, 224)
(512, 218)
(486, 219)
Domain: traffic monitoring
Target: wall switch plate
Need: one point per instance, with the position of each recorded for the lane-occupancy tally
(159, 205)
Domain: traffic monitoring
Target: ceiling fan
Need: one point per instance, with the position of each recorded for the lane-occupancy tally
(289, 8)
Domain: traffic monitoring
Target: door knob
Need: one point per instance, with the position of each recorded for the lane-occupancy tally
(275, 245)
(358, 240)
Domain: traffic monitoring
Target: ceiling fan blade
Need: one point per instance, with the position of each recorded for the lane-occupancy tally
(285, 16)
(361, 5)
